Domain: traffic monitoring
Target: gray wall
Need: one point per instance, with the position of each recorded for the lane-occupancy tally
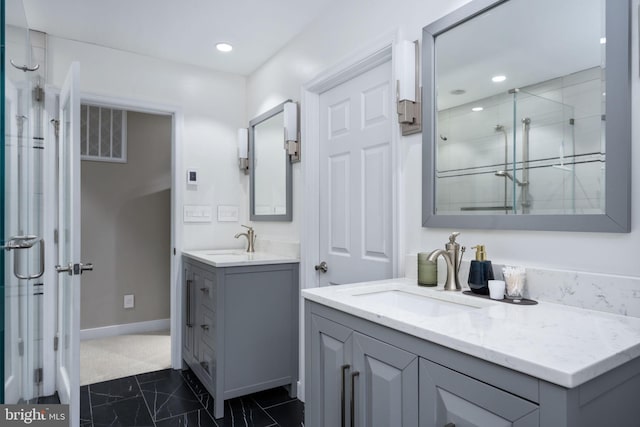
(126, 229)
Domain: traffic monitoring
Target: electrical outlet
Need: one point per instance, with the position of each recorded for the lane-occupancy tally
(128, 301)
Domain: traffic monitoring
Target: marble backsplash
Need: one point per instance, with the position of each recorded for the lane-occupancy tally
(601, 292)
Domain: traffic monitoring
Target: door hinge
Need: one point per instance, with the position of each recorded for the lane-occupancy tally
(55, 236)
(37, 375)
(174, 251)
(56, 340)
(21, 348)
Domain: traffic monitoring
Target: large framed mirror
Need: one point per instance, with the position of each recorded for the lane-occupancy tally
(527, 116)
(269, 168)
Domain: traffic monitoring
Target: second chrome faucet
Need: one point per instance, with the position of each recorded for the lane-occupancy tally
(251, 238)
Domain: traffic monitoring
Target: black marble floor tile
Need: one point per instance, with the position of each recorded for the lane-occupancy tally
(123, 413)
(241, 411)
(114, 390)
(290, 414)
(169, 397)
(271, 397)
(156, 375)
(193, 382)
(199, 418)
(85, 406)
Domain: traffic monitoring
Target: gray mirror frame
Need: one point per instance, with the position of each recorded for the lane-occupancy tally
(289, 193)
(617, 216)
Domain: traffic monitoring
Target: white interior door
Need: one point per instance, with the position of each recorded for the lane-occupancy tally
(69, 267)
(356, 212)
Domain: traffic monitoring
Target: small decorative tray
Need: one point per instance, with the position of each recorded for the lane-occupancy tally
(523, 301)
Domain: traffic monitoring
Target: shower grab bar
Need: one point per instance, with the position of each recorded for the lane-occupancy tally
(25, 242)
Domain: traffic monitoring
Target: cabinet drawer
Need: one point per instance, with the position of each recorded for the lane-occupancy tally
(206, 292)
(207, 364)
(448, 397)
(206, 325)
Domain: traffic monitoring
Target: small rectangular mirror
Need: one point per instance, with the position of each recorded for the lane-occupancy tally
(269, 168)
(527, 116)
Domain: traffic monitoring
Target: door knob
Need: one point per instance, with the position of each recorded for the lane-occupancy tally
(65, 269)
(323, 267)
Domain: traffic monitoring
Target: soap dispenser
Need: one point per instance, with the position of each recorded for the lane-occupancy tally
(480, 272)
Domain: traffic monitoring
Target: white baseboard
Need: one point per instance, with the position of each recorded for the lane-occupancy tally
(127, 328)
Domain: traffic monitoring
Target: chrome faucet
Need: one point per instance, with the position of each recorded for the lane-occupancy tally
(452, 254)
(251, 238)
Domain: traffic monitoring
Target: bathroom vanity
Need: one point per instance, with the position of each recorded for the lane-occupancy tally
(240, 322)
(392, 353)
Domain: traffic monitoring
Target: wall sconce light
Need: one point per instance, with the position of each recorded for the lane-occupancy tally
(291, 134)
(408, 90)
(243, 150)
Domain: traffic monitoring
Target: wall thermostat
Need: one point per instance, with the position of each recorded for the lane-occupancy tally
(192, 176)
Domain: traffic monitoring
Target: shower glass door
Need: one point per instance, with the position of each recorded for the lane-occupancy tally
(21, 222)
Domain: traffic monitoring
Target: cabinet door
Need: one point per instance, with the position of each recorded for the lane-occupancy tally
(448, 398)
(326, 385)
(385, 380)
(188, 310)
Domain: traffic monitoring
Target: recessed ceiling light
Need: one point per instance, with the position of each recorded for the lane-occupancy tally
(603, 40)
(224, 47)
(476, 109)
(498, 79)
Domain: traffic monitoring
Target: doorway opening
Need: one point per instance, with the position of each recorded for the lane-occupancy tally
(126, 187)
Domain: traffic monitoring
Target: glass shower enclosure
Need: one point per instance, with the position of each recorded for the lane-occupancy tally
(22, 199)
(516, 153)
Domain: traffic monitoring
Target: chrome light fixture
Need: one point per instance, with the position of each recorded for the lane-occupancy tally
(243, 150)
(291, 134)
(408, 91)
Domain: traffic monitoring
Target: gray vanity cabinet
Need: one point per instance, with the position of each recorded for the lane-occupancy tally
(387, 385)
(357, 380)
(450, 398)
(402, 380)
(240, 328)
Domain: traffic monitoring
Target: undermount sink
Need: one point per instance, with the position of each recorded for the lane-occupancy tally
(413, 303)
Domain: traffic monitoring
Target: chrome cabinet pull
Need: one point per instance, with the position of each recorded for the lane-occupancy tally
(189, 323)
(343, 420)
(353, 398)
(205, 327)
(25, 242)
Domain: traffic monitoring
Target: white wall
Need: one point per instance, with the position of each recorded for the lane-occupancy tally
(213, 105)
(343, 30)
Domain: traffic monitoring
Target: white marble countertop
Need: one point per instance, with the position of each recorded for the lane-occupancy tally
(238, 257)
(563, 345)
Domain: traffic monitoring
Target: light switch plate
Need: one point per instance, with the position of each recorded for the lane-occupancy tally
(228, 213)
(197, 213)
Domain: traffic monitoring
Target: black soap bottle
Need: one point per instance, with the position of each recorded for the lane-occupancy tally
(480, 272)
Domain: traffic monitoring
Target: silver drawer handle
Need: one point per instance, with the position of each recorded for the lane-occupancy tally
(24, 67)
